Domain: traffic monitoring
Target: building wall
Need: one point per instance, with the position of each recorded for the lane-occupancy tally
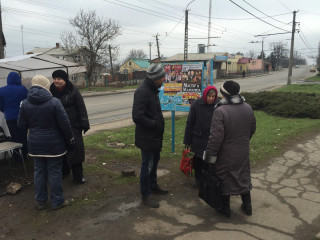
(256, 64)
(129, 66)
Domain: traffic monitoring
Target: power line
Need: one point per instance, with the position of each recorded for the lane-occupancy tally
(256, 16)
(238, 19)
(263, 12)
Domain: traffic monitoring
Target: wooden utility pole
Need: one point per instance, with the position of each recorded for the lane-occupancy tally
(2, 39)
(291, 49)
(111, 62)
(158, 48)
(150, 50)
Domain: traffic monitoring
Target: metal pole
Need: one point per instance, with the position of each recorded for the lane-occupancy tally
(172, 130)
(22, 39)
(291, 49)
(209, 26)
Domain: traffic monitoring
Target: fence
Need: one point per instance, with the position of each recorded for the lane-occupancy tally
(221, 73)
(129, 79)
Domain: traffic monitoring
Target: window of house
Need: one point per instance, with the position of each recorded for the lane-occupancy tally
(253, 62)
(62, 57)
(240, 67)
(73, 78)
(77, 58)
(129, 63)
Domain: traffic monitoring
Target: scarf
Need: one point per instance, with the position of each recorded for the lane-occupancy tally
(235, 99)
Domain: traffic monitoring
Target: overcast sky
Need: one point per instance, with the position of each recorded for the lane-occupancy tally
(232, 24)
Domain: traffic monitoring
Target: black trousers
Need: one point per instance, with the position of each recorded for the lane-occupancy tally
(77, 170)
(198, 165)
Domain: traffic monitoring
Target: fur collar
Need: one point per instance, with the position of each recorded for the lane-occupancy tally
(235, 99)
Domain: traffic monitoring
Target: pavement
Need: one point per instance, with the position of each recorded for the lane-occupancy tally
(285, 200)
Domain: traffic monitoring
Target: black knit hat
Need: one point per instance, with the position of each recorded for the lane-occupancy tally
(155, 72)
(230, 88)
(60, 74)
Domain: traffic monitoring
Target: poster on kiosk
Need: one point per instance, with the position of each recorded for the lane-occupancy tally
(185, 82)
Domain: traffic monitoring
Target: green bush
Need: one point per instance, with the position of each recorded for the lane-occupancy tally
(286, 104)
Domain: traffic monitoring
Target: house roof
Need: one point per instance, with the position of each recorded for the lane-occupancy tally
(50, 51)
(143, 63)
(244, 60)
(193, 57)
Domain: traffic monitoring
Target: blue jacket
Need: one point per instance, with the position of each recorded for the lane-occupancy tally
(47, 121)
(11, 96)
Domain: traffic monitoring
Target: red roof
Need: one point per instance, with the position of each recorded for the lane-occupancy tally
(244, 60)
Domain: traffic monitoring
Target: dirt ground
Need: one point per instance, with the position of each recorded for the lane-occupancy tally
(104, 208)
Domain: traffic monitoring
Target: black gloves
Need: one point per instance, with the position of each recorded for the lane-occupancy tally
(70, 144)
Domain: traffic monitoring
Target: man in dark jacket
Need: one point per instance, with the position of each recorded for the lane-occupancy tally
(75, 107)
(10, 98)
(147, 115)
(49, 133)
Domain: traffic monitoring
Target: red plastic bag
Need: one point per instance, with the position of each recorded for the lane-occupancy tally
(186, 162)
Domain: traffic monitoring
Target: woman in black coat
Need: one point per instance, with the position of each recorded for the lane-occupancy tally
(198, 126)
(75, 107)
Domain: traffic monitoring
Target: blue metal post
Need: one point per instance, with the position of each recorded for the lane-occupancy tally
(172, 129)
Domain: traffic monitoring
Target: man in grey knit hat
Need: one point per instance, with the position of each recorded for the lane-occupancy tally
(147, 115)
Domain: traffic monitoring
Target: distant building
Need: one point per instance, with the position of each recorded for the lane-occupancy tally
(134, 64)
(243, 64)
(77, 79)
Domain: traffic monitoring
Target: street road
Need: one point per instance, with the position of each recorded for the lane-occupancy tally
(108, 108)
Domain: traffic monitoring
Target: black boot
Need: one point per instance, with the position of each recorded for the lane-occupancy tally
(224, 209)
(246, 203)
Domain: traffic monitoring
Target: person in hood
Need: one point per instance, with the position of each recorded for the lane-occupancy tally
(197, 129)
(233, 124)
(10, 99)
(75, 107)
(49, 133)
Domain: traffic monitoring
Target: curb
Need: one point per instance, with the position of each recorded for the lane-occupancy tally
(102, 93)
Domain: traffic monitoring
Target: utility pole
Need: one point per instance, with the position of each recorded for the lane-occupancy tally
(158, 45)
(22, 39)
(291, 49)
(2, 39)
(209, 26)
(185, 54)
(111, 62)
(150, 50)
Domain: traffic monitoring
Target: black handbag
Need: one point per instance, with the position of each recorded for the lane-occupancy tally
(210, 187)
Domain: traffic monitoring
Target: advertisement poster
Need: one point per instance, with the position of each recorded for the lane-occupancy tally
(182, 85)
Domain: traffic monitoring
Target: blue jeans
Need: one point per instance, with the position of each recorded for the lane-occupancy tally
(48, 169)
(148, 174)
(19, 136)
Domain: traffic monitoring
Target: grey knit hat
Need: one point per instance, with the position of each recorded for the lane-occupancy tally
(155, 71)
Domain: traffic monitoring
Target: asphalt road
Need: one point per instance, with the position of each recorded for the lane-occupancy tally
(114, 107)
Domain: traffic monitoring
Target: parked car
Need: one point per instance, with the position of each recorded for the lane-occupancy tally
(313, 69)
(297, 66)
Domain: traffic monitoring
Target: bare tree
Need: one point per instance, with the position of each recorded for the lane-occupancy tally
(251, 54)
(89, 41)
(135, 53)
